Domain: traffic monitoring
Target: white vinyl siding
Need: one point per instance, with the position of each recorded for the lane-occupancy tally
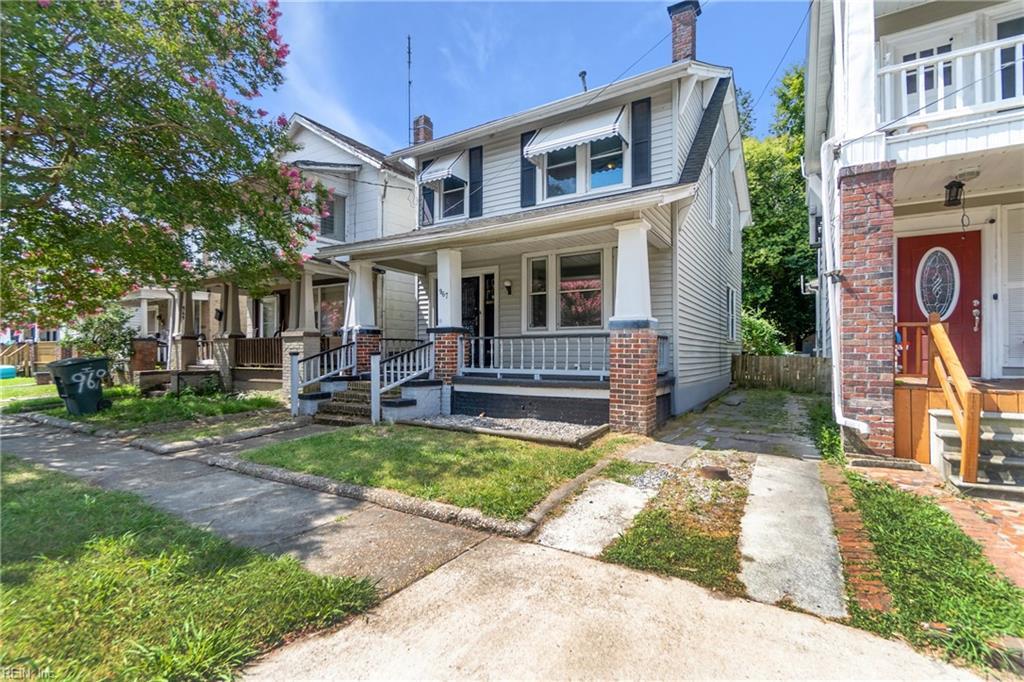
(705, 269)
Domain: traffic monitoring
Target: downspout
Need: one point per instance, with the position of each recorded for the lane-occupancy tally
(832, 222)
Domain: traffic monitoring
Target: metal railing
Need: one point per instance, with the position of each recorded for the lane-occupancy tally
(537, 355)
(263, 352)
(664, 359)
(392, 372)
(977, 79)
(392, 346)
(310, 370)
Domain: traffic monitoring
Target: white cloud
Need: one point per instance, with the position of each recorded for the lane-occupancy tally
(480, 36)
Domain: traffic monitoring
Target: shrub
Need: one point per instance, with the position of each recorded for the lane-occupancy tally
(761, 336)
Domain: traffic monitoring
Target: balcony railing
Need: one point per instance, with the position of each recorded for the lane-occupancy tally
(264, 352)
(536, 356)
(974, 80)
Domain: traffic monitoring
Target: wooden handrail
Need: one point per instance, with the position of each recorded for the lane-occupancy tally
(963, 399)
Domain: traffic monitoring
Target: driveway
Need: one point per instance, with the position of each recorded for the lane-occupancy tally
(512, 610)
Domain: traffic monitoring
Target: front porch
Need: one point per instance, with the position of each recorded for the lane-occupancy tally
(570, 322)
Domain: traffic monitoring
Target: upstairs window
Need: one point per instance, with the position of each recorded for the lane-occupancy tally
(332, 225)
(453, 197)
(426, 206)
(606, 167)
(561, 172)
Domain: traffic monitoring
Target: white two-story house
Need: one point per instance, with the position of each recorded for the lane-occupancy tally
(915, 164)
(248, 339)
(580, 260)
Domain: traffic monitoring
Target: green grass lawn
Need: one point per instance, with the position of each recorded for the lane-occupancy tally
(135, 411)
(936, 574)
(24, 387)
(501, 477)
(52, 403)
(99, 585)
(223, 428)
(690, 529)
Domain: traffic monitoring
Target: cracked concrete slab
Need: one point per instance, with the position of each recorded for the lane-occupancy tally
(595, 518)
(787, 541)
(512, 610)
(659, 452)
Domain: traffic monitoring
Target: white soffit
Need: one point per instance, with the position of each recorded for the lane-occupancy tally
(577, 131)
(454, 165)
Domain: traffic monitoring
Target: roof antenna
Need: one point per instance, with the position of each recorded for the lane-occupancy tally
(408, 96)
(583, 79)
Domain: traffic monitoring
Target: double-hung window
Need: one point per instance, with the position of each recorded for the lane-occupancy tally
(332, 223)
(606, 167)
(561, 172)
(731, 313)
(453, 197)
(538, 293)
(579, 290)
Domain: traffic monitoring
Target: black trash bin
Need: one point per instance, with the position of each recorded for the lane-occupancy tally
(80, 383)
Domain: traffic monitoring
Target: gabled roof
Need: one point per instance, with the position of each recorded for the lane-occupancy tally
(378, 158)
(701, 144)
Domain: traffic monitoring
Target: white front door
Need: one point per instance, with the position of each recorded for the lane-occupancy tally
(1013, 293)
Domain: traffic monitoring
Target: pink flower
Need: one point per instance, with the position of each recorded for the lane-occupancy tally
(305, 257)
(282, 121)
(308, 185)
(44, 3)
(305, 210)
(283, 52)
(262, 112)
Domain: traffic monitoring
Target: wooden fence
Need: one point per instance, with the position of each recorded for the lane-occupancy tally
(261, 352)
(799, 373)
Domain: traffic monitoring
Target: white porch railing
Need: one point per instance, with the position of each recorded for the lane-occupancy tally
(539, 355)
(310, 370)
(392, 372)
(973, 80)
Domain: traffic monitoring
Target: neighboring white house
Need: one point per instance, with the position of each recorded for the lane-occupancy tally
(249, 339)
(579, 260)
(915, 164)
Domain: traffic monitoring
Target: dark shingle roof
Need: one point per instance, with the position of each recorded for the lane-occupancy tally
(705, 133)
(379, 156)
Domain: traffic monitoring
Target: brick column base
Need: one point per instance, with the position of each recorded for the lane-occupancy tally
(224, 360)
(304, 343)
(633, 361)
(367, 344)
(186, 351)
(866, 314)
(143, 355)
(446, 351)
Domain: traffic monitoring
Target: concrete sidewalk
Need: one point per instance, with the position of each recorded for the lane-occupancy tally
(511, 610)
(328, 534)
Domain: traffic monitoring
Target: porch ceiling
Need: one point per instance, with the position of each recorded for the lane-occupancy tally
(1000, 171)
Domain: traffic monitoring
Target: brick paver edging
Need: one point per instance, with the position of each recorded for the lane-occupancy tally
(860, 563)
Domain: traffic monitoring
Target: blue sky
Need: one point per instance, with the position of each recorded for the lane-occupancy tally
(474, 61)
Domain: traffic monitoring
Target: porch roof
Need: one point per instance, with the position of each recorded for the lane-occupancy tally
(590, 213)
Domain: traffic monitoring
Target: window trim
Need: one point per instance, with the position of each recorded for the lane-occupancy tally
(606, 249)
(440, 192)
(318, 298)
(731, 314)
(344, 215)
(583, 184)
(530, 293)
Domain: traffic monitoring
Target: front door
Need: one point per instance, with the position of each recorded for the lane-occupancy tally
(942, 273)
(478, 315)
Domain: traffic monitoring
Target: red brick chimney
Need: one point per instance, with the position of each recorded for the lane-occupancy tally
(422, 129)
(684, 29)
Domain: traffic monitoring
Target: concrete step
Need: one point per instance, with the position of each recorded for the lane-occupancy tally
(989, 490)
(339, 420)
(351, 409)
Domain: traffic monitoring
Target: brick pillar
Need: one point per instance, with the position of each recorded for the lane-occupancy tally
(446, 351)
(684, 29)
(866, 326)
(224, 360)
(633, 361)
(143, 355)
(367, 344)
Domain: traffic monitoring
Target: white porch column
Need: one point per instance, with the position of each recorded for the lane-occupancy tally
(293, 304)
(306, 312)
(188, 321)
(360, 313)
(144, 322)
(449, 288)
(232, 314)
(632, 275)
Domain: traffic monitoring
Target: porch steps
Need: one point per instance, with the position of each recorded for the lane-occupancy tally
(1000, 455)
(352, 406)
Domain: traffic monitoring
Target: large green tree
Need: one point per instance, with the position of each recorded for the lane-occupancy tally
(134, 153)
(776, 251)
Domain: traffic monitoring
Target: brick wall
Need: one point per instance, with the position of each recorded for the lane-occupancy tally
(866, 327)
(446, 353)
(684, 29)
(143, 354)
(367, 344)
(633, 358)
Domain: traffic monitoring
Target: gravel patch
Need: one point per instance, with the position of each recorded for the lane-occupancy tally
(533, 429)
(652, 478)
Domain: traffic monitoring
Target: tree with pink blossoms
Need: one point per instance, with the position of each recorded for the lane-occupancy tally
(134, 154)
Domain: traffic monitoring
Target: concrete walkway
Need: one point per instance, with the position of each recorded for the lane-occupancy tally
(595, 518)
(513, 610)
(330, 535)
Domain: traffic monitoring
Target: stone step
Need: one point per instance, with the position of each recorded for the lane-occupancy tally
(987, 489)
(994, 470)
(352, 409)
(339, 420)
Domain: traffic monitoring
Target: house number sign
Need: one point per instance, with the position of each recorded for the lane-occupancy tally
(937, 282)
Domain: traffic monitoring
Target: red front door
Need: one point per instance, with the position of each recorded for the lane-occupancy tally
(942, 273)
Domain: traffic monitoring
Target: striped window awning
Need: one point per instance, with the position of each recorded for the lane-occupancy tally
(577, 131)
(455, 165)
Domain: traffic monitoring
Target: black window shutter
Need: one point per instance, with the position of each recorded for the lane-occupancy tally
(476, 182)
(640, 141)
(527, 174)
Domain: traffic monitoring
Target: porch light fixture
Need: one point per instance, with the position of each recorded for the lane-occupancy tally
(954, 193)
(508, 286)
